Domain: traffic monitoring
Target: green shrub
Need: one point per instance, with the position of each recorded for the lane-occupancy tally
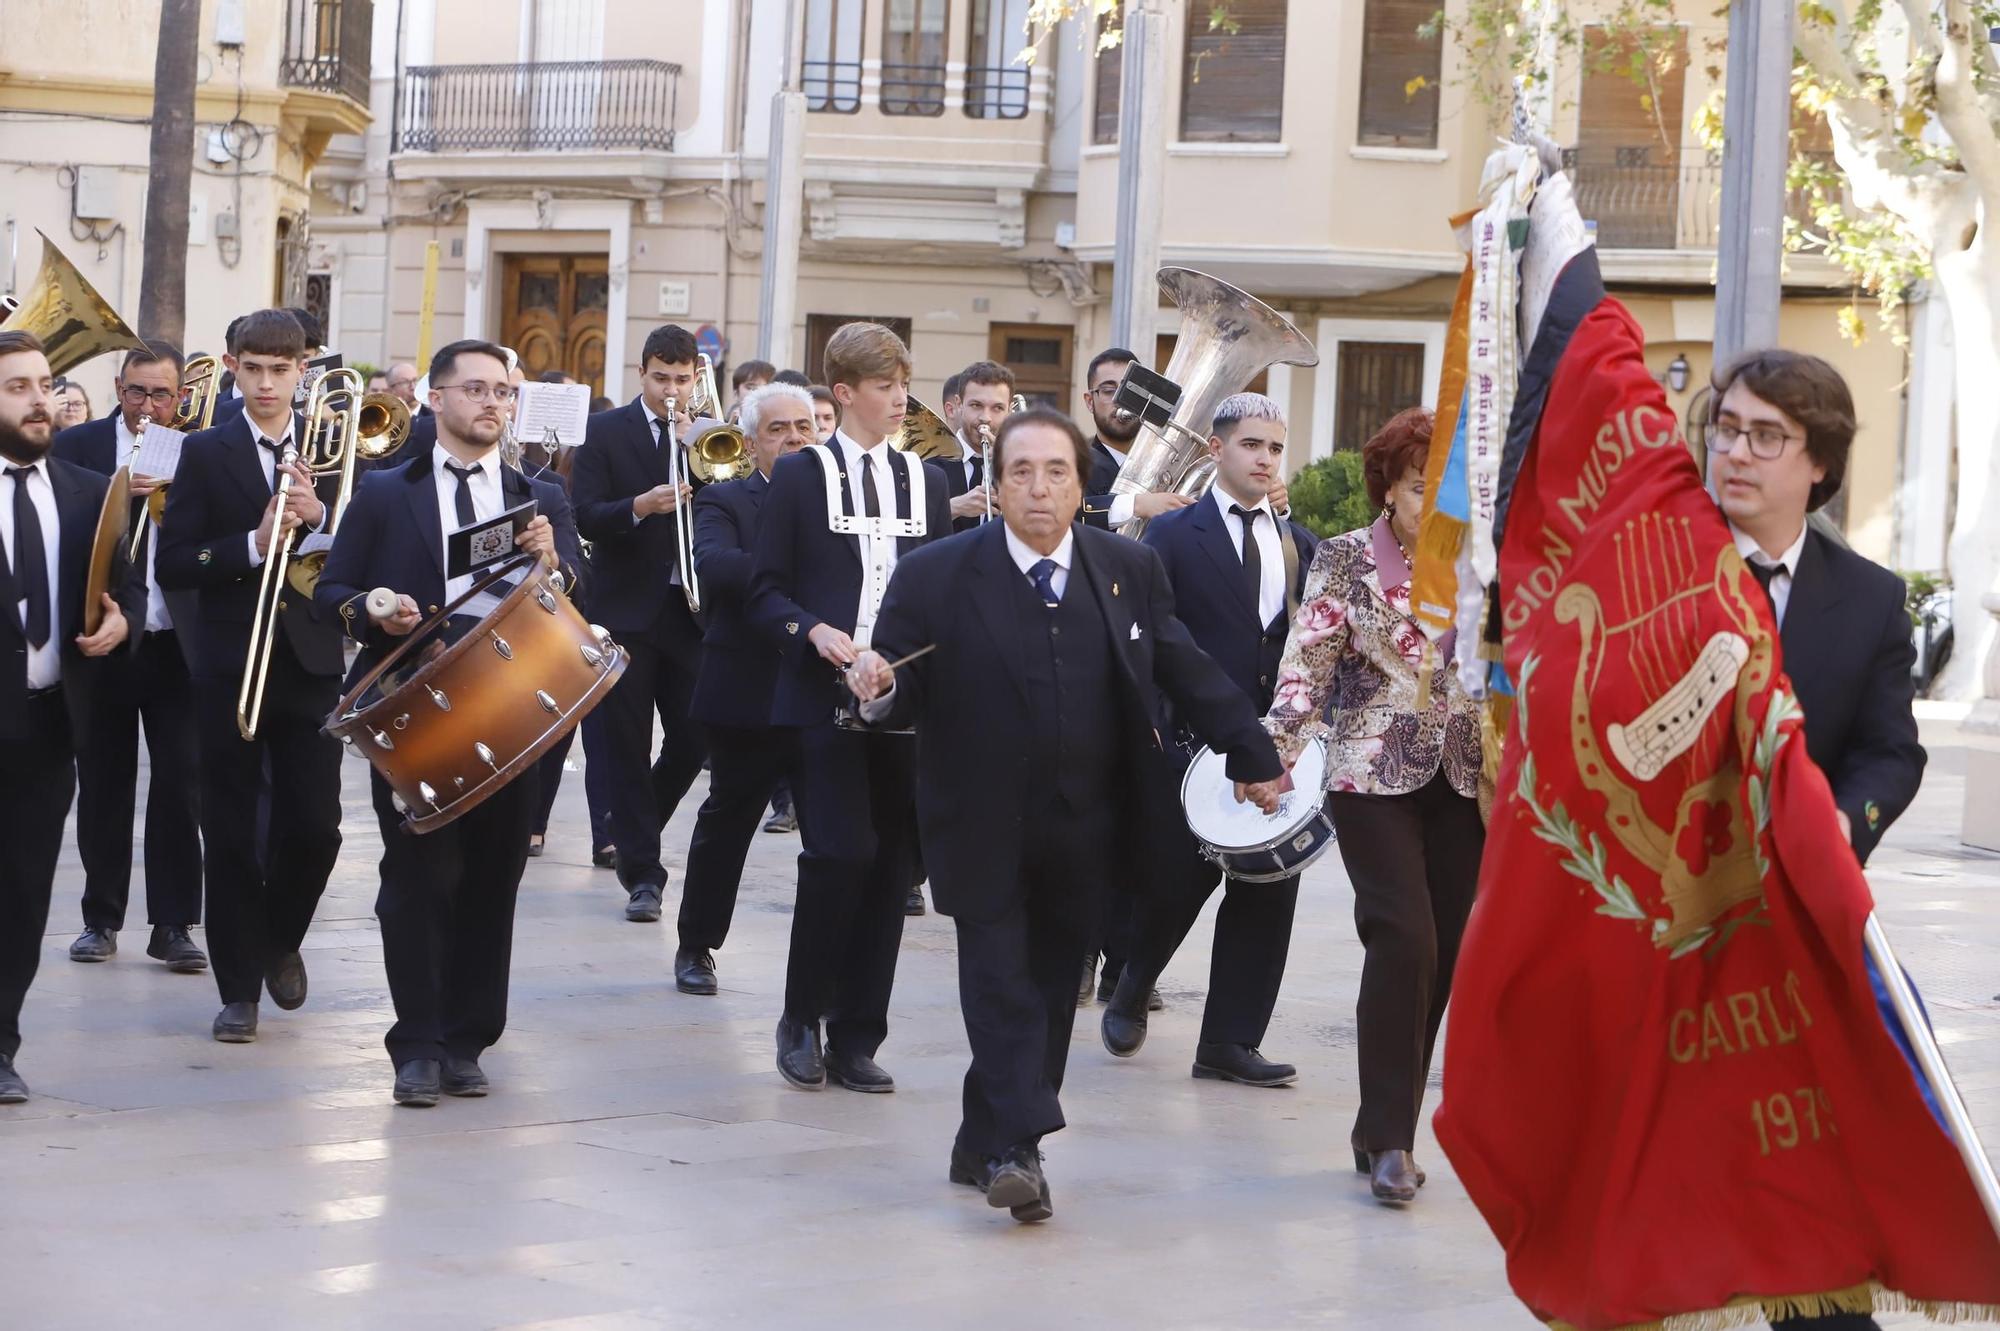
(1330, 497)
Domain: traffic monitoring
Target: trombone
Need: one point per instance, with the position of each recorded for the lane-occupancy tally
(1017, 405)
(201, 378)
(336, 438)
(715, 451)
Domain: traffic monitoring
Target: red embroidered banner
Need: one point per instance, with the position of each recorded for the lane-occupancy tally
(1667, 1085)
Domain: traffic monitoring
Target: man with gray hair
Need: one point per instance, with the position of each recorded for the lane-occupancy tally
(732, 691)
(1237, 570)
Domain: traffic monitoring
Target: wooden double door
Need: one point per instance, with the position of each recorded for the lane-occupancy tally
(553, 313)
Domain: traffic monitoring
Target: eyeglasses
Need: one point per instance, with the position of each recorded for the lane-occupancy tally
(479, 393)
(402, 383)
(134, 394)
(1766, 441)
(1105, 391)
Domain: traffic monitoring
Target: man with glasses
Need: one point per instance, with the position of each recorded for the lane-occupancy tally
(146, 686)
(1777, 450)
(403, 383)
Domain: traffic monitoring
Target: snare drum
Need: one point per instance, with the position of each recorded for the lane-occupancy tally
(450, 717)
(1250, 845)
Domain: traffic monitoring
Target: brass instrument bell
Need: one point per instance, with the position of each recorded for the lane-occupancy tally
(64, 312)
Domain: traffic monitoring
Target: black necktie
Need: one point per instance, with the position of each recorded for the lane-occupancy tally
(978, 472)
(871, 502)
(276, 451)
(467, 515)
(659, 431)
(1764, 573)
(31, 560)
(1043, 571)
(1253, 558)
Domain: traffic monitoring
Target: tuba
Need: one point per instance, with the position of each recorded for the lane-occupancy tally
(924, 433)
(64, 312)
(1227, 338)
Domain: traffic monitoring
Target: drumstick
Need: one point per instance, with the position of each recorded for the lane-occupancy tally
(382, 603)
(896, 665)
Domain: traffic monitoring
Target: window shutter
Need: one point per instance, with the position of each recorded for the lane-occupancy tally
(1393, 56)
(1233, 79)
(1376, 380)
(1109, 74)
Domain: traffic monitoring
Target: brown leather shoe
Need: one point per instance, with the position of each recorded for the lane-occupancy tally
(1362, 1165)
(1392, 1176)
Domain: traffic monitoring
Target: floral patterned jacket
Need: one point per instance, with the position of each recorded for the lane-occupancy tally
(1350, 673)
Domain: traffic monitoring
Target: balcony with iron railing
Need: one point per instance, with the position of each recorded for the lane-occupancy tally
(576, 106)
(327, 52)
(1643, 199)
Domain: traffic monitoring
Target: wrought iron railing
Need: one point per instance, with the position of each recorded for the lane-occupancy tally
(1642, 203)
(327, 46)
(546, 107)
(996, 92)
(831, 85)
(913, 90)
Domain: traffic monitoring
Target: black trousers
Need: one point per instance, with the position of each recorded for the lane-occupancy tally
(596, 778)
(152, 689)
(1414, 863)
(744, 768)
(1017, 984)
(853, 793)
(1253, 936)
(548, 780)
(447, 914)
(261, 904)
(37, 781)
(1115, 931)
(644, 791)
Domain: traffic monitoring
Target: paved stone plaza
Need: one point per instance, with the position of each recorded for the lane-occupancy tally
(640, 1164)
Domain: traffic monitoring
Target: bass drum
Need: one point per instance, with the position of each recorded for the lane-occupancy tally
(457, 711)
(1251, 845)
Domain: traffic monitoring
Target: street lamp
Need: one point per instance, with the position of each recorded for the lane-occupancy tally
(1677, 374)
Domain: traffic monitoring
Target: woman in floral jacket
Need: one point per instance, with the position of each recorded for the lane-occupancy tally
(1402, 775)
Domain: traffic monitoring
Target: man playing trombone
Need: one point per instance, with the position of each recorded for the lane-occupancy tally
(224, 520)
(985, 389)
(631, 489)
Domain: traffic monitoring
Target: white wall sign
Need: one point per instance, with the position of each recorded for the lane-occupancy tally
(676, 297)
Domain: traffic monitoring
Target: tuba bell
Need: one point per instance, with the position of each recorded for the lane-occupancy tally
(64, 312)
(925, 434)
(1227, 338)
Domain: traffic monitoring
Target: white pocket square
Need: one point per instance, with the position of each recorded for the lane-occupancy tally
(1135, 633)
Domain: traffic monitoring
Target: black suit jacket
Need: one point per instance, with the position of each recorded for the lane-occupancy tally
(392, 536)
(421, 439)
(1847, 648)
(217, 500)
(739, 665)
(631, 561)
(1213, 600)
(94, 445)
(227, 409)
(79, 496)
(1104, 465)
(806, 574)
(972, 807)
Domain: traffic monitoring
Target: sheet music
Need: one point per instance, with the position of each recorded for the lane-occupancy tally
(159, 452)
(560, 407)
(314, 370)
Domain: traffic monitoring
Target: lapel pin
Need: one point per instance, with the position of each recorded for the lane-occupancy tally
(792, 629)
(1114, 589)
(204, 557)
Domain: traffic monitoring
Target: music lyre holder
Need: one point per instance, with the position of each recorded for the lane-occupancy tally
(1152, 397)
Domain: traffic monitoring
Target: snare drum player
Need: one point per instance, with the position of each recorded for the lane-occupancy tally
(1402, 776)
(836, 521)
(1236, 569)
(447, 899)
(1067, 637)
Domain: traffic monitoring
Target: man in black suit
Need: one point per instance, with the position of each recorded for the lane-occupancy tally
(985, 390)
(447, 899)
(630, 509)
(1115, 432)
(223, 522)
(48, 519)
(229, 401)
(748, 756)
(1777, 447)
(1237, 571)
(148, 686)
(838, 518)
(1068, 636)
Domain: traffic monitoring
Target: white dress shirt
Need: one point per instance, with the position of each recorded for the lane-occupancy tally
(488, 502)
(878, 553)
(157, 616)
(267, 457)
(1121, 505)
(1270, 550)
(45, 661)
(1025, 558)
(1786, 565)
(660, 439)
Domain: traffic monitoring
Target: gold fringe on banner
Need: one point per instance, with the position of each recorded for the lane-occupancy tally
(1434, 563)
(1868, 1298)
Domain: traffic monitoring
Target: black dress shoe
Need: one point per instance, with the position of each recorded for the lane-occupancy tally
(287, 981)
(236, 1023)
(1089, 981)
(694, 970)
(1392, 1176)
(1240, 1063)
(13, 1090)
(418, 1083)
(782, 821)
(643, 906)
(913, 904)
(94, 945)
(1123, 1027)
(1364, 1163)
(858, 1072)
(462, 1077)
(799, 1059)
(603, 857)
(170, 943)
(1018, 1184)
(970, 1169)
(535, 846)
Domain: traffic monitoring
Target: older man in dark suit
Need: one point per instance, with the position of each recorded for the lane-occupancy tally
(1068, 636)
(149, 686)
